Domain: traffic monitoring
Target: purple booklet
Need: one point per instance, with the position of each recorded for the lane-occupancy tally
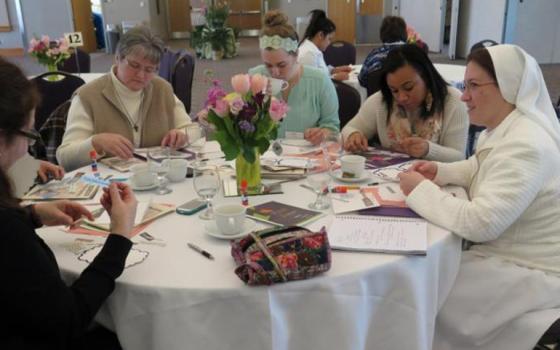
(390, 211)
(380, 158)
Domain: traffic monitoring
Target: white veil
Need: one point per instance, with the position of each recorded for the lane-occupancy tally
(521, 83)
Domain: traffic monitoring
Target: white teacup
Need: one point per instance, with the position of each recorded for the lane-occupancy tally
(277, 85)
(352, 166)
(177, 169)
(142, 175)
(230, 218)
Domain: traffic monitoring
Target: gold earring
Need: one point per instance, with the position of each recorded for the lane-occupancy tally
(428, 101)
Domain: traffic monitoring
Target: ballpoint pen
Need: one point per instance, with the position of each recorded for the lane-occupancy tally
(200, 250)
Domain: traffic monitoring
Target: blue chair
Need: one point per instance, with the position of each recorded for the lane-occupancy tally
(349, 101)
(340, 53)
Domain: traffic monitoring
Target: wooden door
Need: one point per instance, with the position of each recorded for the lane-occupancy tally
(179, 16)
(83, 22)
(343, 14)
(371, 7)
(245, 14)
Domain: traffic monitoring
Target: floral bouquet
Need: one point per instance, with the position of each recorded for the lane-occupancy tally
(49, 53)
(244, 121)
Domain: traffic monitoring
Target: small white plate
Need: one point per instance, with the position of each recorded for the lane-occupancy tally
(142, 188)
(212, 230)
(296, 142)
(337, 174)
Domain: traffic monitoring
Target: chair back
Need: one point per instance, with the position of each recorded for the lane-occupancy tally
(483, 44)
(374, 81)
(71, 66)
(51, 132)
(349, 101)
(178, 69)
(340, 53)
(54, 93)
(557, 108)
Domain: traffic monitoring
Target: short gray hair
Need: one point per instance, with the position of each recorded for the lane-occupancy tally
(140, 40)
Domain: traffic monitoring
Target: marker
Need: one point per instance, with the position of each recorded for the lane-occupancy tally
(200, 250)
(93, 157)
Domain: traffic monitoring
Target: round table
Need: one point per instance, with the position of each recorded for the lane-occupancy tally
(178, 299)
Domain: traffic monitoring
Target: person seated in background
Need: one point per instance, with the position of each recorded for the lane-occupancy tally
(415, 112)
(317, 38)
(39, 311)
(392, 34)
(126, 108)
(507, 292)
(310, 94)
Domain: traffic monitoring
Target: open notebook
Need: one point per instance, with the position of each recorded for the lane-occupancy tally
(379, 234)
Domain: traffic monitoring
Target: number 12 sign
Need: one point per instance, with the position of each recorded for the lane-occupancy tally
(74, 39)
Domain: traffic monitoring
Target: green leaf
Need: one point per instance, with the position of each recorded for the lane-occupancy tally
(249, 153)
(227, 144)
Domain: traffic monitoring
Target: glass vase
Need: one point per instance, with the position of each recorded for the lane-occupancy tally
(51, 67)
(251, 172)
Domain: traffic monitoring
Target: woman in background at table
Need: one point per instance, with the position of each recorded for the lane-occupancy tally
(38, 310)
(126, 108)
(317, 38)
(310, 93)
(507, 291)
(415, 112)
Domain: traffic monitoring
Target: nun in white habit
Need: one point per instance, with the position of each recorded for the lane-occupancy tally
(507, 292)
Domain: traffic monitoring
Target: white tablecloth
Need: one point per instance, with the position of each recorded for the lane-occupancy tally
(452, 73)
(88, 77)
(177, 299)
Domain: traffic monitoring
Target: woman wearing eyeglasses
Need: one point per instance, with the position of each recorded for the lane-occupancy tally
(39, 311)
(415, 112)
(129, 107)
(507, 292)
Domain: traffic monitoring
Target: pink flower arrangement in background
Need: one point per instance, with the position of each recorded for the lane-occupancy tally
(246, 119)
(49, 52)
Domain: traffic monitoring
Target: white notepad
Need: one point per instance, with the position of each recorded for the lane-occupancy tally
(379, 234)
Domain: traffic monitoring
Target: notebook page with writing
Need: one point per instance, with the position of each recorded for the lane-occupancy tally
(379, 234)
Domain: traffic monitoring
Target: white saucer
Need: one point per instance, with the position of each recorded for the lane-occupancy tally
(337, 174)
(142, 188)
(296, 142)
(212, 230)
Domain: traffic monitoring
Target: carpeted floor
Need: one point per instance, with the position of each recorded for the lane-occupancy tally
(249, 57)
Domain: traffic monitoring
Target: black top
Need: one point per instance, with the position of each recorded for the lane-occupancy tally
(38, 310)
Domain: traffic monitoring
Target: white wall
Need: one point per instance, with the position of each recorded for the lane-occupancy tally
(13, 39)
(117, 11)
(426, 18)
(158, 21)
(297, 8)
(534, 25)
(52, 18)
(479, 20)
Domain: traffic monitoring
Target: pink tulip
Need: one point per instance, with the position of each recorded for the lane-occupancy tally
(241, 83)
(221, 108)
(258, 83)
(278, 109)
(46, 40)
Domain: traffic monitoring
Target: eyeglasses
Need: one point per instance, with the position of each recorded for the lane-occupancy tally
(135, 66)
(473, 86)
(32, 134)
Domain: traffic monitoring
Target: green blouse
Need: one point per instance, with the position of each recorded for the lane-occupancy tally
(313, 102)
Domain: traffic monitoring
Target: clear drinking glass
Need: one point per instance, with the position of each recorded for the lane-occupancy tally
(332, 146)
(206, 183)
(196, 134)
(160, 167)
(319, 181)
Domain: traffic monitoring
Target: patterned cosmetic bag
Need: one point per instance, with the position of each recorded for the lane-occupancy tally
(281, 255)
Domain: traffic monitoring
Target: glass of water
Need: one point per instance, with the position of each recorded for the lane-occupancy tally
(160, 167)
(319, 182)
(206, 182)
(332, 147)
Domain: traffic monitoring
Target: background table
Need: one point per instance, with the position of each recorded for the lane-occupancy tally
(452, 73)
(177, 299)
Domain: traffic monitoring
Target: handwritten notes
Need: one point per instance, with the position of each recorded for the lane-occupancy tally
(379, 234)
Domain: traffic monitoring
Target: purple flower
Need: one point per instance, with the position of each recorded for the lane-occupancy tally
(246, 126)
(215, 93)
(236, 105)
(247, 112)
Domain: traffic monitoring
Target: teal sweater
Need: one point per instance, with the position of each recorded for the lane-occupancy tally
(313, 102)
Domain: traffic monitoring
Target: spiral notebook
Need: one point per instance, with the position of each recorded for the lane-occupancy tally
(379, 234)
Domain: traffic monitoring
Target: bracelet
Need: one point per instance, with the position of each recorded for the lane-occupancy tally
(35, 218)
